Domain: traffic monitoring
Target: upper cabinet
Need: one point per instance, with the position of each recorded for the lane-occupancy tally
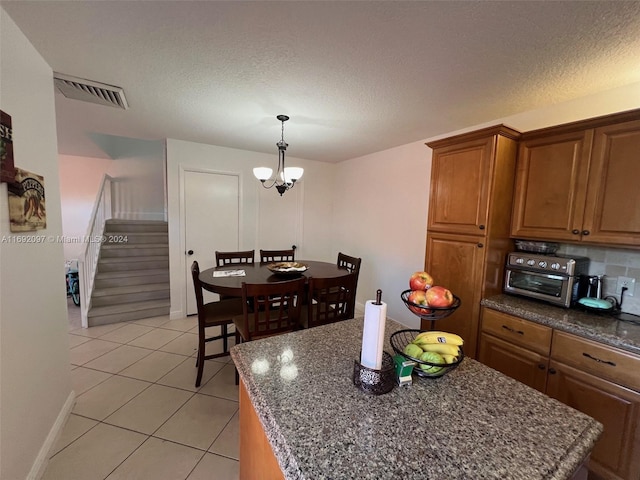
(579, 182)
(465, 172)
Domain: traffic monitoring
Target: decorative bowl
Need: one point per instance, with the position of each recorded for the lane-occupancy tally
(287, 268)
(400, 339)
(429, 313)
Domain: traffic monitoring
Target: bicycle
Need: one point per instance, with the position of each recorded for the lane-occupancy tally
(73, 281)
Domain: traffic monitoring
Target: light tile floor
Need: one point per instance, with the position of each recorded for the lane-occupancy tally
(138, 414)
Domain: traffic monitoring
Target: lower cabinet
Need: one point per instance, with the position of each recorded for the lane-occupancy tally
(516, 362)
(617, 452)
(598, 380)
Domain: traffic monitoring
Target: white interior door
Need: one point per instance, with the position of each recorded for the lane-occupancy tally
(280, 219)
(211, 222)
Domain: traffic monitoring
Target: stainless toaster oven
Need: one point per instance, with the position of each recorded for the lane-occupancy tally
(551, 278)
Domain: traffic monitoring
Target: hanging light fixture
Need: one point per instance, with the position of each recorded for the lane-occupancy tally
(285, 177)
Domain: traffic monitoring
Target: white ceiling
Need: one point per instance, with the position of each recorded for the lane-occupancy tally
(355, 77)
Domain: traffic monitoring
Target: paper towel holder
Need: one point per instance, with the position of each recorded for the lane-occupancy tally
(373, 381)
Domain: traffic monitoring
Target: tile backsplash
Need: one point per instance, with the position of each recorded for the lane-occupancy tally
(612, 263)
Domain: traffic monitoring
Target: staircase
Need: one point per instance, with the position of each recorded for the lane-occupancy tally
(132, 278)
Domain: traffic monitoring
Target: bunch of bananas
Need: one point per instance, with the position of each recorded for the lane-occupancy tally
(435, 347)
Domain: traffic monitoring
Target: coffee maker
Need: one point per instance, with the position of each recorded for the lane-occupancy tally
(590, 286)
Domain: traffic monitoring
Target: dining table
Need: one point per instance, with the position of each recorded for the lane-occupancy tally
(259, 273)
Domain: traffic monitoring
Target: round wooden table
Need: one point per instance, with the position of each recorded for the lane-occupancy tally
(259, 273)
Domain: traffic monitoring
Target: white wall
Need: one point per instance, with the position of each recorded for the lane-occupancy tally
(317, 208)
(139, 170)
(383, 198)
(80, 179)
(381, 217)
(35, 387)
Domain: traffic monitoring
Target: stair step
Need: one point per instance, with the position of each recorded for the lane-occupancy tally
(135, 226)
(127, 311)
(119, 290)
(128, 264)
(119, 237)
(131, 277)
(133, 250)
(130, 273)
(129, 294)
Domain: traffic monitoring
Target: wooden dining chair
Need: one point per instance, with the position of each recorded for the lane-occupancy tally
(268, 256)
(269, 309)
(353, 265)
(330, 300)
(213, 314)
(233, 258)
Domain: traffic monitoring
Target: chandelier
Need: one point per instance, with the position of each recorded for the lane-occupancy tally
(285, 177)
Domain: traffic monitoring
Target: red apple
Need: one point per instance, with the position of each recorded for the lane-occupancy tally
(420, 281)
(438, 296)
(419, 298)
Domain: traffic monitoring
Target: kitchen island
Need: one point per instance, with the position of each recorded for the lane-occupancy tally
(471, 423)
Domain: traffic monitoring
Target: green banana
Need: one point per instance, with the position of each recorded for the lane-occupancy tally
(438, 337)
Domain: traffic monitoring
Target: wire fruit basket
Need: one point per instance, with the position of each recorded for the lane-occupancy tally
(400, 339)
(429, 313)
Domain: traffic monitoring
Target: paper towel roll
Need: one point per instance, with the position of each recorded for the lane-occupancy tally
(375, 318)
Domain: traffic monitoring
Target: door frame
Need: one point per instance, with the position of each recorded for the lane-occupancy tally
(183, 229)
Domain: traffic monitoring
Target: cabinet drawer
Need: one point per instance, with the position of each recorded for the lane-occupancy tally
(518, 331)
(607, 362)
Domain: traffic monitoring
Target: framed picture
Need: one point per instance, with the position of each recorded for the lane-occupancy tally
(7, 170)
(27, 211)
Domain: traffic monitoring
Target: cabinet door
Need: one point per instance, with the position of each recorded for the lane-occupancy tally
(551, 180)
(612, 213)
(617, 452)
(459, 187)
(516, 362)
(455, 262)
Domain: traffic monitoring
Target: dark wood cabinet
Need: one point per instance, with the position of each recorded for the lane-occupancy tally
(516, 362)
(577, 182)
(612, 215)
(469, 219)
(456, 261)
(616, 455)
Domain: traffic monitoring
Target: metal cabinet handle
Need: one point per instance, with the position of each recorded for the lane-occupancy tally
(552, 371)
(480, 245)
(585, 232)
(575, 231)
(541, 366)
(190, 252)
(595, 359)
(481, 227)
(509, 329)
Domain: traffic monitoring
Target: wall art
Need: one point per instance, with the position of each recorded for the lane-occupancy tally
(27, 211)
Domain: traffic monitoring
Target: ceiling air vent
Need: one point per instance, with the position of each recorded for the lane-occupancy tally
(88, 91)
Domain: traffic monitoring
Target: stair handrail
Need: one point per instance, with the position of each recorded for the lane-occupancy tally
(88, 260)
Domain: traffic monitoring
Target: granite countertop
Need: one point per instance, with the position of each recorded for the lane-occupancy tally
(472, 423)
(598, 327)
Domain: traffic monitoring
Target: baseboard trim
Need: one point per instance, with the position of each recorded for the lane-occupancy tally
(42, 460)
(176, 315)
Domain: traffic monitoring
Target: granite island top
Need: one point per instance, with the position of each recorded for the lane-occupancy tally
(598, 327)
(472, 423)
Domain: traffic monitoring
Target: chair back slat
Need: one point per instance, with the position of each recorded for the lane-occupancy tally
(272, 308)
(269, 256)
(331, 299)
(353, 265)
(197, 287)
(232, 258)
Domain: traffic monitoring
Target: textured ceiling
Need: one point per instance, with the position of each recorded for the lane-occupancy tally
(355, 77)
